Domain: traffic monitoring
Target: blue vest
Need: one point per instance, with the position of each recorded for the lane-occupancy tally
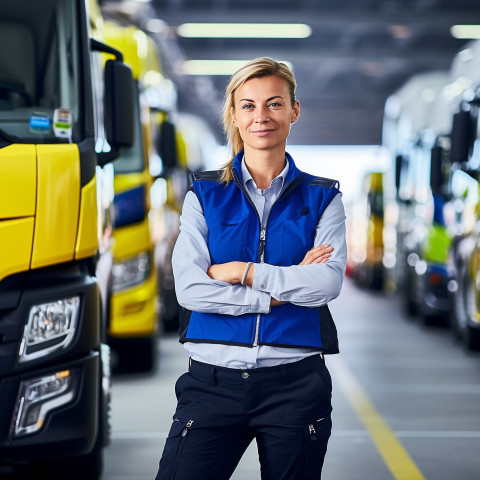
(234, 234)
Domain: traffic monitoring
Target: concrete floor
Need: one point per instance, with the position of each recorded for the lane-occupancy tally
(393, 377)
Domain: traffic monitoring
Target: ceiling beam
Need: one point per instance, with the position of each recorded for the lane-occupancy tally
(320, 19)
(308, 52)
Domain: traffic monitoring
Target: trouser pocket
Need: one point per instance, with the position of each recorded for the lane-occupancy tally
(176, 439)
(317, 434)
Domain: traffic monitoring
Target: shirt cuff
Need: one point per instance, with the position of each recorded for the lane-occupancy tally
(261, 276)
(260, 301)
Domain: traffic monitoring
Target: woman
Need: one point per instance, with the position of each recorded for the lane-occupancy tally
(261, 251)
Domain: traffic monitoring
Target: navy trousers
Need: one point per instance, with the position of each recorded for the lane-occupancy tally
(286, 408)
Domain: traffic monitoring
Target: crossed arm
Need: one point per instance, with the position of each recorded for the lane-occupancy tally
(232, 272)
(203, 287)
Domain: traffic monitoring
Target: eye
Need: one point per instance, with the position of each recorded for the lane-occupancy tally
(247, 106)
(275, 104)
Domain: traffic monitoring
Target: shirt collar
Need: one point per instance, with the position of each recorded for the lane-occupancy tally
(246, 174)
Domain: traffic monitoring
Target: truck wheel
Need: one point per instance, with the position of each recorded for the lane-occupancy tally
(143, 354)
(410, 286)
(459, 312)
(137, 354)
(81, 467)
(472, 338)
(464, 308)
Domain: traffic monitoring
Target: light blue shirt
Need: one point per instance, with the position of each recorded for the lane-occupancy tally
(306, 285)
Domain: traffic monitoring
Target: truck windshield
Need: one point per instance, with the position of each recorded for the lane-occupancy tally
(39, 72)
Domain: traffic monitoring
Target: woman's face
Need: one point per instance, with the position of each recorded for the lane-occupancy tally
(263, 112)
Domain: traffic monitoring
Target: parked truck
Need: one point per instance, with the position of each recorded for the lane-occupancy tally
(64, 117)
(134, 324)
(365, 235)
(422, 240)
(464, 185)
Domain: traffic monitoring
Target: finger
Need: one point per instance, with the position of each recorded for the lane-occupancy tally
(317, 259)
(321, 260)
(313, 253)
(324, 248)
(319, 256)
(321, 249)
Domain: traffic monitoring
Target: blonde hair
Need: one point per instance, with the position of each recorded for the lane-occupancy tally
(256, 68)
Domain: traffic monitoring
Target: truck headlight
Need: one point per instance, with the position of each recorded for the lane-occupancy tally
(37, 397)
(131, 271)
(50, 327)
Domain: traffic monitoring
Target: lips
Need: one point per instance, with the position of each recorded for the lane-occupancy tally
(263, 132)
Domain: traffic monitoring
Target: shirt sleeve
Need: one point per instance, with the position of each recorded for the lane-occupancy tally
(316, 284)
(195, 290)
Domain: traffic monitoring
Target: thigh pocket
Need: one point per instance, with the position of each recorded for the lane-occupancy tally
(173, 448)
(316, 434)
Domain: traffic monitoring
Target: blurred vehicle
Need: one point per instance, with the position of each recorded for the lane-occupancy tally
(365, 248)
(58, 135)
(185, 144)
(464, 186)
(166, 160)
(134, 323)
(422, 240)
(167, 198)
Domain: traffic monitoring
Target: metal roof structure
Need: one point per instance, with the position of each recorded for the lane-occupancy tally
(359, 52)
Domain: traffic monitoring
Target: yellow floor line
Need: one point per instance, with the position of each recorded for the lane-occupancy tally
(390, 448)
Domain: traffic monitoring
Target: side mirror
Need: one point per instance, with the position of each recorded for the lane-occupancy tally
(119, 104)
(167, 145)
(119, 98)
(462, 137)
(436, 177)
(398, 170)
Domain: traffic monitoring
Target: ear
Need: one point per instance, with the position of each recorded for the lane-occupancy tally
(232, 111)
(295, 112)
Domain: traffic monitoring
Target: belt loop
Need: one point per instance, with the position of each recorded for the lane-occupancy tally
(212, 377)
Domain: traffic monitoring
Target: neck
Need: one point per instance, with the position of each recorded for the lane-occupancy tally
(264, 166)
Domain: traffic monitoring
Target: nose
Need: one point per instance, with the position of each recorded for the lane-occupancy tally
(261, 115)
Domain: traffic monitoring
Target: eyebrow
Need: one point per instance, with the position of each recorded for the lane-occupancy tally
(268, 99)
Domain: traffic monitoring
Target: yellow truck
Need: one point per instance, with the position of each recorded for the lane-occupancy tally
(63, 117)
(465, 189)
(134, 323)
(366, 247)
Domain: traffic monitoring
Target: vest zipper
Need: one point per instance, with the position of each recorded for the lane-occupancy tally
(261, 249)
(263, 234)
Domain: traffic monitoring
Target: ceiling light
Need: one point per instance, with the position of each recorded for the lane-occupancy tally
(216, 67)
(400, 32)
(244, 30)
(465, 32)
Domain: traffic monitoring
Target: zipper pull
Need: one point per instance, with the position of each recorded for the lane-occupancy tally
(262, 245)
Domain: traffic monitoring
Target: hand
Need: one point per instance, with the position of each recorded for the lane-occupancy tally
(230, 272)
(318, 254)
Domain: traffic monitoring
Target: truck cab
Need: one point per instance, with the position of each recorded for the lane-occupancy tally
(464, 185)
(58, 136)
(422, 239)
